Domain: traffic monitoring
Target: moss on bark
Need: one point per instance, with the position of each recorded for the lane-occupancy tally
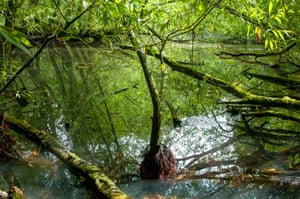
(101, 185)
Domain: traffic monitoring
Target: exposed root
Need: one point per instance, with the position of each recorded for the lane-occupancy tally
(158, 164)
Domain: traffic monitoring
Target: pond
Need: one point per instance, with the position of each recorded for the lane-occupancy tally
(96, 103)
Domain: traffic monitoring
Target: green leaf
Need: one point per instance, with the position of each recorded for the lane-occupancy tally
(281, 35)
(200, 7)
(271, 44)
(270, 7)
(275, 33)
(16, 38)
(2, 20)
(248, 30)
(266, 43)
(298, 43)
(278, 19)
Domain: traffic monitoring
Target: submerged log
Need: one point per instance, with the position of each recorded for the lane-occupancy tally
(99, 183)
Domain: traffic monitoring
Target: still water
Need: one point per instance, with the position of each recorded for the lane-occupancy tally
(78, 89)
(50, 179)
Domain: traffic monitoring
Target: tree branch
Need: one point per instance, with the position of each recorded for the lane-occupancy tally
(268, 113)
(247, 97)
(39, 51)
(283, 102)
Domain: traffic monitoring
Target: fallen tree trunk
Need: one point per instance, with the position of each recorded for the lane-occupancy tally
(99, 183)
(245, 96)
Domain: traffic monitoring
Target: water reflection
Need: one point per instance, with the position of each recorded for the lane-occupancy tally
(76, 99)
(205, 189)
(197, 135)
(46, 182)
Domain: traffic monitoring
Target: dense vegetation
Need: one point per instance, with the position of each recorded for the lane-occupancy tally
(263, 95)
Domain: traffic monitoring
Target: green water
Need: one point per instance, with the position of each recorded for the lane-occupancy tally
(74, 90)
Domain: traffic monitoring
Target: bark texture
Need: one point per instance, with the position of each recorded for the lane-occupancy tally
(99, 183)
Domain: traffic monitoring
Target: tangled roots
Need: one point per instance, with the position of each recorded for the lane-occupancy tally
(158, 164)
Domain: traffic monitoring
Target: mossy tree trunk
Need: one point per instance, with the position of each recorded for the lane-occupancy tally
(99, 183)
(244, 96)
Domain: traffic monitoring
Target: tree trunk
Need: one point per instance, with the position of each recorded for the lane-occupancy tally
(156, 118)
(159, 162)
(99, 183)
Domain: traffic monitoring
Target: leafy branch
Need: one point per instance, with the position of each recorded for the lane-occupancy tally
(40, 50)
(196, 23)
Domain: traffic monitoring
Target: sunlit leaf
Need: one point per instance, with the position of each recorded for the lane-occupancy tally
(278, 19)
(258, 34)
(281, 35)
(248, 30)
(16, 38)
(271, 43)
(266, 43)
(163, 67)
(200, 7)
(275, 33)
(270, 7)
